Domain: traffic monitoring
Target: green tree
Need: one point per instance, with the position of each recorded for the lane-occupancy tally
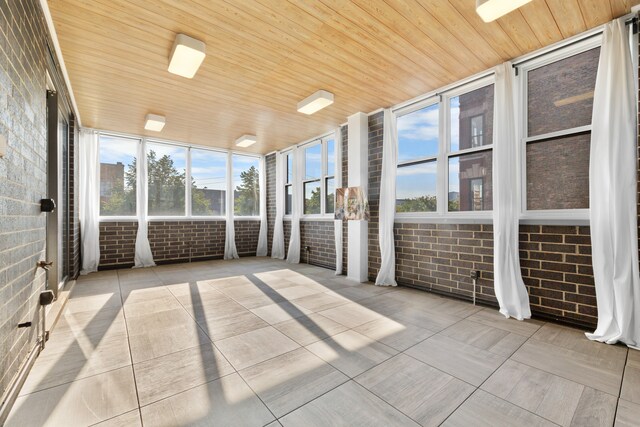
(312, 204)
(247, 194)
(417, 204)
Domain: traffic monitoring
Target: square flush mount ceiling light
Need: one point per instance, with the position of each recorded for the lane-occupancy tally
(154, 122)
(315, 102)
(246, 140)
(490, 10)
(186, 56)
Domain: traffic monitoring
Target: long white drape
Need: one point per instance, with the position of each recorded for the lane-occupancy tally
(230, 251)
(277, 247)
(337, 224)
(612, 192)
(293, 255)
(508, 285)
(387, 274)
(89, 212)
(262, 249)
(143, 256)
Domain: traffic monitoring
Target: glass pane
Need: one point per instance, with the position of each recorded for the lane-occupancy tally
(313, 162)
(208, 182)
(418, 134)
(470, 182)
(312, 197)
(288, 199)
(560, 95)
(558, 173)
(331, 157)
(246, 185)
(117, 176)
(472, 119)
(167, 171)
(416, 188)
(289, 168)
(329, 203)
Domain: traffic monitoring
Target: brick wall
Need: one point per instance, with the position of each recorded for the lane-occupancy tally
(174, 241)
(23, 180)
(74, 234)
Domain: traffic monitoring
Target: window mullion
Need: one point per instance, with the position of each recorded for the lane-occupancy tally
(187, 195)
(441, 166)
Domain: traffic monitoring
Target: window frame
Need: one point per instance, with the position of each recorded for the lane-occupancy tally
(568, 216)
(231, 187)
(288, 184)
(443, 100)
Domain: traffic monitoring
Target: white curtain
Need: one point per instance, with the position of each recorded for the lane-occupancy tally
(337, 173)
(293, 256)
(387, 273)
(277, 247)
(508, 285)
(143, 256)
(262, 237)
(230, 251)
(89, 212)
(612, 192)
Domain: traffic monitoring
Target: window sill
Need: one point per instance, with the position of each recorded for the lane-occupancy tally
(178, 218)
(311, 218)
(441, 219)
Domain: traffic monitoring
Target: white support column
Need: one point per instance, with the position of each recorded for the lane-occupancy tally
(358, 173)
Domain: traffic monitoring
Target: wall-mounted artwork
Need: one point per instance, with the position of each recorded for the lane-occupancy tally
(351, 204)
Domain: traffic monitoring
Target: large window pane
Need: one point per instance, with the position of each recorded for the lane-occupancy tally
(418, 134)
(470, 182)
(416, 188)
(313, 162)
(288, 199)
(331, 157)
(166, 166)
(329, 204)
(312, 197)
(208, 182)
(117, 176)
(472, 119)
(246, 185)
(289, 168)
(560, 95)
(558, 173)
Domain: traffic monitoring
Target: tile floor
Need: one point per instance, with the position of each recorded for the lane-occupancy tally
(209, 343)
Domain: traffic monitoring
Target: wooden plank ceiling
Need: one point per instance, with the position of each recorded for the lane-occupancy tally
(264, 56)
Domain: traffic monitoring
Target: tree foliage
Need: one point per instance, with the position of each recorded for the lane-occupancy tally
(247, 194)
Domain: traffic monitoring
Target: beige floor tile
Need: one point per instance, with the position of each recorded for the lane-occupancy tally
(348, 405)
(298, 291)
(130, 419)
(492, 317)
(95, 287)
(351, 315)
(351, 352)
(254, 347)
(431, 320)
(94, 303)
(227, 401)
(79, 403)
(71, 357)
(550, 396)
(595, 409)
(176, 372)
(424, 393)
(394, 334)
(277, 313)
(321, 302)
(631, 380)
(229, 325)
(310, 328)
(100, 323)
(360, 292)
(147, 301)
(485, 410)
(604, 374)
(627, 414)
(191, 288)
(287, 382)
(494, 340)
(463, 361)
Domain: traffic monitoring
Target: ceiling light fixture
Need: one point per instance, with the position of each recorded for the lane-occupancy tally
(186, 56)
(315, 102)
(490, 10)
(154, 122)
(246, 140)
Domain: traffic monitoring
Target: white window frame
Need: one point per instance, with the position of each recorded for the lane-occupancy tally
(287, 183)
(555, 216)
(443, 100)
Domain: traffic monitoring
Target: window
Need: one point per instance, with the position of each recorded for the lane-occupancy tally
(318, 182)
(418, 148)
(166, 169)
(470, 154)
(246, 185)
(288, 189)
(329, 178)
(312, 177)
(558, 131)
(118, 175)
(208, 182)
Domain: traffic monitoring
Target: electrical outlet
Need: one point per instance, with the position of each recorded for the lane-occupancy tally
(475, 274)
(3, 146)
